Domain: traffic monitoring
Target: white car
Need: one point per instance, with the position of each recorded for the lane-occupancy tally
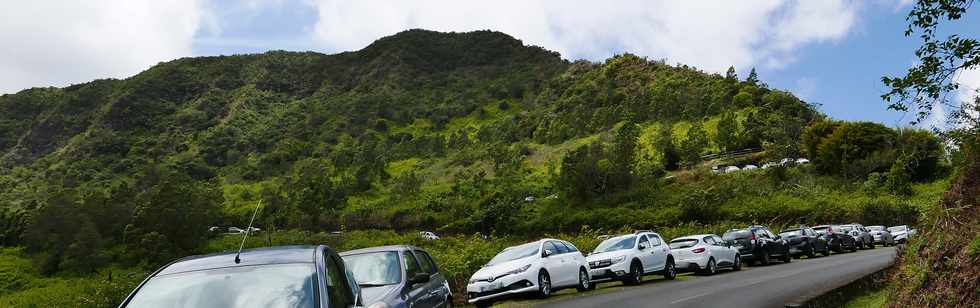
(731, 169)
(750, 167)
(901, 233)
(429, 236)
(704, 253)
(787, 161)
(802, 161)
(630, 257)
(539, 267)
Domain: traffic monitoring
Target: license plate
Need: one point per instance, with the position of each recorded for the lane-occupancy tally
(491, 287)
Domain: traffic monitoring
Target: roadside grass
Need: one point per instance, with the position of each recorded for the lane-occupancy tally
(874, 299)
(602, 288)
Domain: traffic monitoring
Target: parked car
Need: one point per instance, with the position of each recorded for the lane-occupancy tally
(802, 161)
(863, 237)
(881, 235)
(235, 230)
(758, 244)
(804, 240)
(398, 276)
(787, 161)
(704, 253)
(311, 276)
(215, 229)
(731, 169)
(750, 167)
(629, 257)
(429, 236)
(837, 239)
(539, 267)
(254, 230)
(901, 233)
(769, 165)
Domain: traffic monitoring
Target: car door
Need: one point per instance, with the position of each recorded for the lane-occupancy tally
(714, 250)
(728, 251)
(436, 290)
(569, 267)
(647, 255)
(555, 264)
(576, 258)
(415, 294)
(659, 250)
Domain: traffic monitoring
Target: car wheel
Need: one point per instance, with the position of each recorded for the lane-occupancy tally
(812, 252)
(871, 245)
(544, 284)
(826, 250)
(787, 257)
(738, 263)
(854, 247)
(636, 274)
(765, 258)
(583, 281)
(670, 272)
(712, 267)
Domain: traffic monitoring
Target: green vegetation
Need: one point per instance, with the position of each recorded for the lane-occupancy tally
(450, 132)
(875, 299)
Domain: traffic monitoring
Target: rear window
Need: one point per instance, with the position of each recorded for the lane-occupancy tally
(736, 235)
(683, 243)
(790, 232)
(821, 230)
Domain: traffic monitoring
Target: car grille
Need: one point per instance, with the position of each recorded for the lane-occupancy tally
(514, 286)
(599, 264)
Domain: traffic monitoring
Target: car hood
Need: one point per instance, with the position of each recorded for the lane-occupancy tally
(607, 255)
(499, 269)
(387, 294)
(901, 233)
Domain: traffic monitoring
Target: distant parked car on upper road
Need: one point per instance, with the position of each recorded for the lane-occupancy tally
(863, 237)
(758, 244)
(750, 167)
(704, 253)
(881, 235)
(538, 267)
(629, 257)
(287, 276)
(803, 240)
(731, 169)
(837, 239)
(426, 235)
(398, 276)
(802, 161)
(901, 233)
(235, 230)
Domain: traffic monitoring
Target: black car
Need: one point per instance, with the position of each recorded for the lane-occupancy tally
(758, 244)
(804, 240)
(398, 276)
(838, 239)
(287, 276)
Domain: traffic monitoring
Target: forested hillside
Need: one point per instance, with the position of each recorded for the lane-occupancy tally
(451, 132)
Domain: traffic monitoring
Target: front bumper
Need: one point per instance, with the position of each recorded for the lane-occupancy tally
(501, 287)
(611, 272)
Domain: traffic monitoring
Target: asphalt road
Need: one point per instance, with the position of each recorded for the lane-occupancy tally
(760, 286)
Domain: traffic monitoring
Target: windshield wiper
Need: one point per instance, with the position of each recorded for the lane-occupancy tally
(371, 285)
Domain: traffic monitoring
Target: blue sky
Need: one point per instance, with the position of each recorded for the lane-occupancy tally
(831, 52)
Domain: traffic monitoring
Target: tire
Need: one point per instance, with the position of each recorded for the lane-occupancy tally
(670, 272)
(544, 284)
(765, 258)
(812, 253)
(787, 257)
(738, 263)
(871, 245)
(854, 247)
(583, 281)
(449, 302)
(636, 274)
(711, 268)
(826, 250)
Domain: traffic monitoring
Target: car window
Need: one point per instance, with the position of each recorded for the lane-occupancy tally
(761, 233)
(245, 286)
(654, 240)
(718, 240)
(571, 247)
(683, 243)
(616, 243)
(338, 291)
(427, 265)
(736, 234)
(514, 253)
(376, 268)
(708, 240)
(412, 267)
(644, 241)
(561, 247)
(549, 245)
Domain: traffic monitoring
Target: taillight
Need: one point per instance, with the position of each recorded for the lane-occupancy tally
(698, 250)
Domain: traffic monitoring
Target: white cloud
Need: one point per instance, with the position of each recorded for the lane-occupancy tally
(56, 43)
(709, 35)
(969, 85)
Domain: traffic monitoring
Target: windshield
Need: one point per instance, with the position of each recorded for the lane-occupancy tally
(896, 229)
(847, 228)
(736, 235)
(514, 253)
(790, 233)
(876, 228)
(683, 243)
(821, 230)
(275, 286)
(375, 269)
(616, 243)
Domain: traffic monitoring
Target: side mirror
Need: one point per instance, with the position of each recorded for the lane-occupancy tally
(419, 278)
(642, 246)
(547, 253)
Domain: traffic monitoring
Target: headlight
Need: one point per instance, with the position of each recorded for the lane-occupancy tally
(518, 270)
(617, 260)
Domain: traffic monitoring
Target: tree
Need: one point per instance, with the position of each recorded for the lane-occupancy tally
(856, 149)
(623, 156)
(731, 74)
(665, 143)
(697, 140)
(311, 190)
(728, 132)
(753, 77)
(928, 82)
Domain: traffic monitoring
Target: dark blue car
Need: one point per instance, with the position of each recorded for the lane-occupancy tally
(286, 277)
(399, 277)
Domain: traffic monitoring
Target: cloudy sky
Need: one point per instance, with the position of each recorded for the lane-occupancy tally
(828, 52)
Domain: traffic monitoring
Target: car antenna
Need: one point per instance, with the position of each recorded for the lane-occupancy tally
(247, 231)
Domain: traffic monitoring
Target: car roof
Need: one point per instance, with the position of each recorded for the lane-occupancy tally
(379, 249)
(257, 256)
(692, 237)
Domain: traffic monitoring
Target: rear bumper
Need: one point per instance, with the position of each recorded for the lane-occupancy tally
(690, 264)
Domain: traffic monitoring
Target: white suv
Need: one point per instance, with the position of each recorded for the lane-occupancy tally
(538, 267)
(705, 253)
(629, 257)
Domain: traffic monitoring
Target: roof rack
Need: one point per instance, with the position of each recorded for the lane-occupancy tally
(642, 231)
